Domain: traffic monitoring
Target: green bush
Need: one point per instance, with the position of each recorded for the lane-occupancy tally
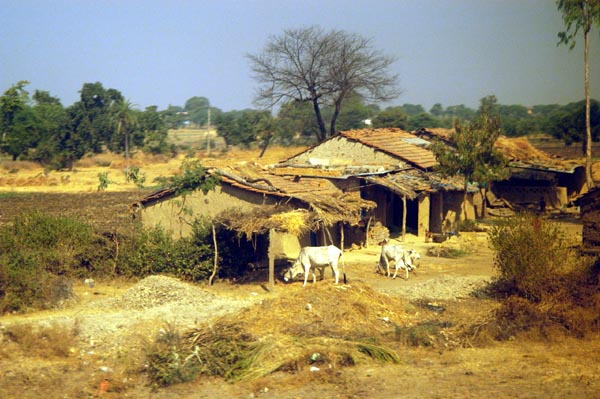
(135, 175)
(546, 285)
(24, 284)
(154, 251)
(60, 245)
(41, 254)
(531, 255)
(168, 359)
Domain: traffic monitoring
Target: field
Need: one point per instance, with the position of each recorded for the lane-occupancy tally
(94, 346)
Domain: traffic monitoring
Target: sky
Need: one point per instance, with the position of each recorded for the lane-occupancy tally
(163, 52)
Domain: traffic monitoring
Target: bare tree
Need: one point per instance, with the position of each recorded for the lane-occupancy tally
(324, 68)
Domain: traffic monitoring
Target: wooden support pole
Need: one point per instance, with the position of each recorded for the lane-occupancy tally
(216, 259)
(367, 233)
(404, 210)
(271, 262)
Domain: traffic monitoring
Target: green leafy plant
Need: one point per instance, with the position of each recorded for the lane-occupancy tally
(135, 175)
(168, 359)
(194, 177)
(104, 181)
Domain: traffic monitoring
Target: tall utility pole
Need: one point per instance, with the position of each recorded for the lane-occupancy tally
(208, 133)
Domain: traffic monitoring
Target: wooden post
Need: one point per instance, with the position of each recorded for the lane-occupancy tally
(271, 262)
(328, 235)
(403, 217)
(216, 261)
(342, 236)
(367, 233)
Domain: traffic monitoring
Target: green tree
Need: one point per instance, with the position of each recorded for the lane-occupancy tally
(514, 119)
(580, 16)
(174, 117)
(569, 122)
(413, 109)
(154, 129)
(197, 109)
(12, 103)
(474, 155)
(91, 117)
(354, 113)
(459, 111)
(422, 120)
(242, 127)
(53, 122)
(297, 123)
(23, 135)
(437, 110)
(391, 117)
(322, 68)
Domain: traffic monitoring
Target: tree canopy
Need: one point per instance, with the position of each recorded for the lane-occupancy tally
(474, 155)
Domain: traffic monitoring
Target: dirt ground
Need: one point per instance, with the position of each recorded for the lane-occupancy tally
(114, 318)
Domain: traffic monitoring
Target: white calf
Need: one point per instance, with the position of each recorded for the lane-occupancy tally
(403, 259)
(316, 257)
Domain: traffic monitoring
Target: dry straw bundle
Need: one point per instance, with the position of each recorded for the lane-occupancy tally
(322, 326)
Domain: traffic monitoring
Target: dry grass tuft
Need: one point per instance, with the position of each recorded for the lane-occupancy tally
(55, 340)
(15, 166)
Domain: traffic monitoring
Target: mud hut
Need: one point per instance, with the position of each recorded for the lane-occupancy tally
(392, 168)
(535, 176)
(278, 214)
(589, 205)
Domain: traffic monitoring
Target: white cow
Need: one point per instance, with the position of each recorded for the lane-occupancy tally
(316, 257)
(403, 259)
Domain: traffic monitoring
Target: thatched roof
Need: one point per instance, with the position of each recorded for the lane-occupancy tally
(518, 150)
(521, 153)
(302, 203)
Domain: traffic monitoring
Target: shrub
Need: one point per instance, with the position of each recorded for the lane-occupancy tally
(103, 181)
(54, 340)
(546, 286)
(154, 251)
(531, 254)
(25, 284)
(39, 256)
(135, 175)
(168, 359)
(61, 245)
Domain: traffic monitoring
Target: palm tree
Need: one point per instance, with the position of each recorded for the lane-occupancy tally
(125, 119)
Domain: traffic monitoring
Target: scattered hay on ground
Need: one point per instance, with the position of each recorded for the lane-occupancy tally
(325, 325)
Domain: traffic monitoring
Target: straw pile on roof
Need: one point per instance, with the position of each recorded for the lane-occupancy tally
(261, 219)
(520, 148)
(324, 325)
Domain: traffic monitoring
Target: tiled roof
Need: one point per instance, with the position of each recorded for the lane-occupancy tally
(396, 142)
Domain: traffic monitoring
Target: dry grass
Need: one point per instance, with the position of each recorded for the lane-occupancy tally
(21, 176)
(37, 341)
(325, 326)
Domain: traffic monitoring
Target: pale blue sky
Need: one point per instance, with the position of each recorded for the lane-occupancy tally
(159, 52)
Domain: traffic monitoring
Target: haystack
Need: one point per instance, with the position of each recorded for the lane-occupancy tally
(326, 324)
